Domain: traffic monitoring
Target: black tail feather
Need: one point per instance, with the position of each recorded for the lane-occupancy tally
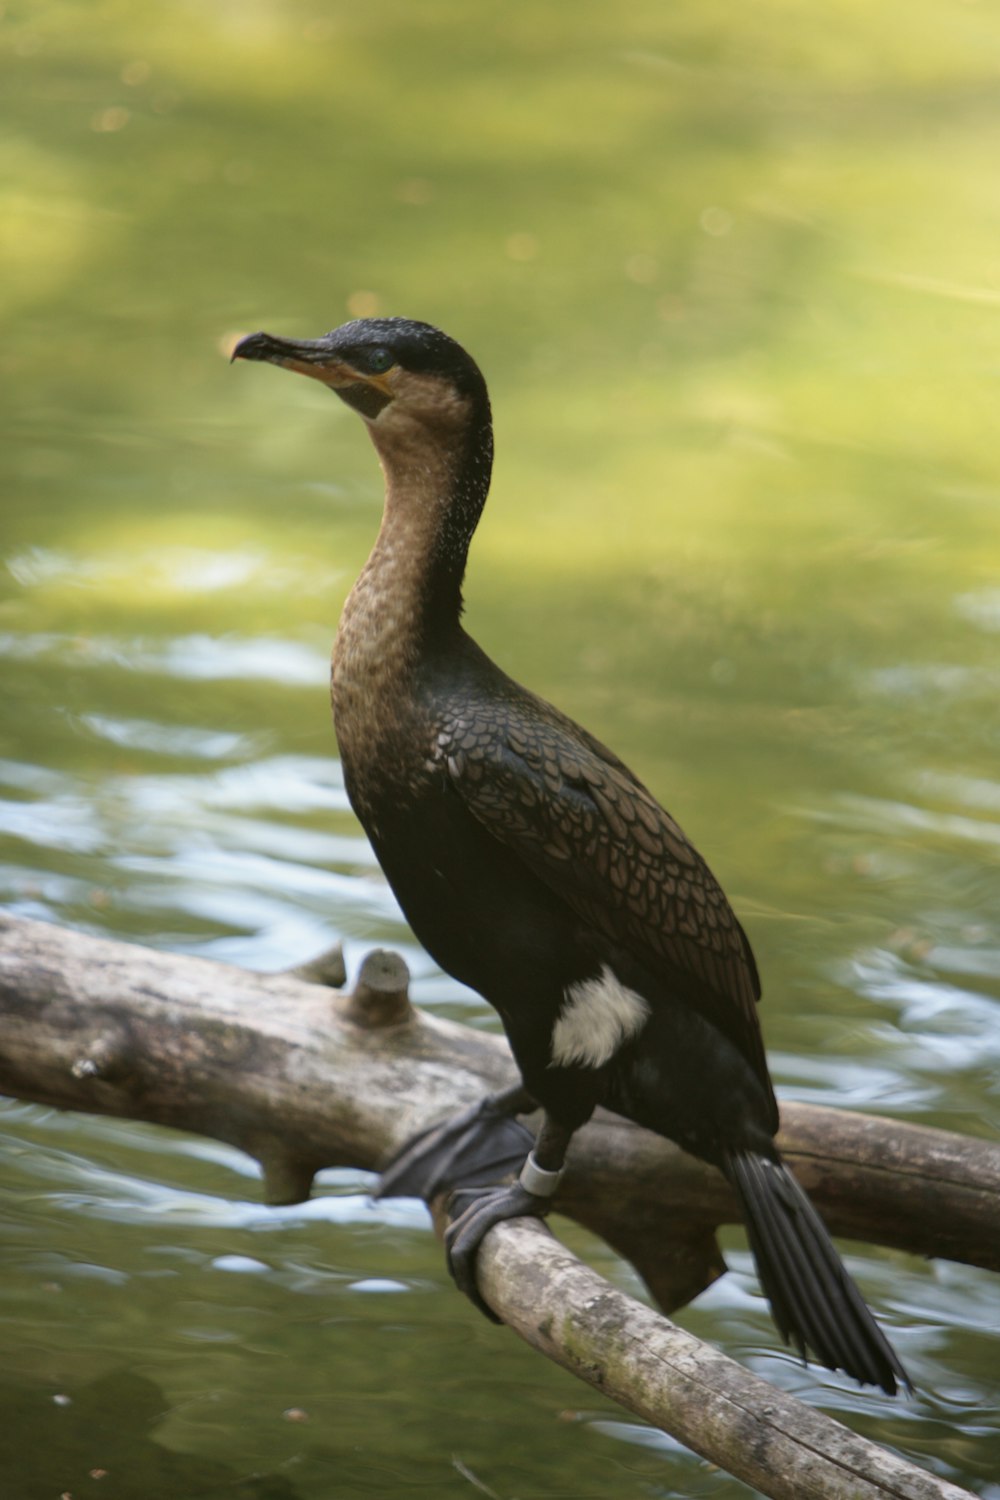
(815, 1304)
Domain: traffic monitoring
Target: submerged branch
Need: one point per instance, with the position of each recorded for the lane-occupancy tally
(303, 1077)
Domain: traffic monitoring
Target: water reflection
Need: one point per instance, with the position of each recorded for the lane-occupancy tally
(206, 658)
(898, 817)
(168, 739)
(173, 569)
(103, 1434)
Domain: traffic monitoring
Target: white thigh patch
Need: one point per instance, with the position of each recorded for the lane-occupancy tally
(600, 1015)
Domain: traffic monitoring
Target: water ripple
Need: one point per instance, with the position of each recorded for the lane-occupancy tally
(890, 813)
(981, 607)
(167, 739)
(201, 657)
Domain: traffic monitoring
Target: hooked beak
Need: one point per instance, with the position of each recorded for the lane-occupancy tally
(368, 394)
(312, 357)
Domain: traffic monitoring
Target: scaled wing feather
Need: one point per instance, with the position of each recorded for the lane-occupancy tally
(586, 826)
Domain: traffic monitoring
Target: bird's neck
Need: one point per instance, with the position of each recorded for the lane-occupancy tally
(436, 482)
(407, 601)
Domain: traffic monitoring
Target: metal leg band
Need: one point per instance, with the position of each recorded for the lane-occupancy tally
(537, 1181)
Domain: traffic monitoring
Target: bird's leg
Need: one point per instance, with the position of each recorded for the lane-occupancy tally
(477, 1210)
(478, 1146)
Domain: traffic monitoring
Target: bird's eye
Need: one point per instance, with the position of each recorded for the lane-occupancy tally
(380, 359)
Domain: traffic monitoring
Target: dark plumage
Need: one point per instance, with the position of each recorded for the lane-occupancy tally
(535, 867)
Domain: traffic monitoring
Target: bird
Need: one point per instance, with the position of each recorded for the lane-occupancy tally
(537, 869)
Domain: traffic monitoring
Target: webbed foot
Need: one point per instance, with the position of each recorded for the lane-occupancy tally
(478, 1146)
(466, 1155)
(483, 1209)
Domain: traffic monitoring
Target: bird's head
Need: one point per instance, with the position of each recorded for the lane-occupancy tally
(393, 371)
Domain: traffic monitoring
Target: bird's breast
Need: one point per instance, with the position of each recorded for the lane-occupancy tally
(383, 732)
(373, 655)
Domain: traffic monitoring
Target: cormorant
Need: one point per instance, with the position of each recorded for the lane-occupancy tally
(536, 868)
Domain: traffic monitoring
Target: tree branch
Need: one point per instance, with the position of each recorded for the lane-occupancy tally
(303, 1077)
(733, 1418)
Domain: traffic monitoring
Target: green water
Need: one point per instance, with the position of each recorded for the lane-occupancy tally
(733, 275)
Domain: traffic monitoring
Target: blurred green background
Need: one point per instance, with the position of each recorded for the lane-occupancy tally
(733, 276)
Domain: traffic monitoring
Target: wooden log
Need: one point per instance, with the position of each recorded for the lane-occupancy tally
(633, 1355)
(303, 1077)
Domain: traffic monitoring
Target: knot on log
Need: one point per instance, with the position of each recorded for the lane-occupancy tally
(288, 1177)
(381, 995)
(326, 968)
(105, 1061)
